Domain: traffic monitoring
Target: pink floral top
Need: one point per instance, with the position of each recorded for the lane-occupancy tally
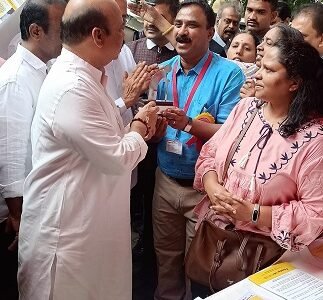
(289, 175)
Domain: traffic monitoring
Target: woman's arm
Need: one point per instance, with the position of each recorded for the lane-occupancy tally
(296, 224)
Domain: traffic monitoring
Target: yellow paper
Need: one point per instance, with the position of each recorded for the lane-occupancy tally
(271, 273)
(12, 4)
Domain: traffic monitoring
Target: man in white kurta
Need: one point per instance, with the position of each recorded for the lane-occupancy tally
(74, 240)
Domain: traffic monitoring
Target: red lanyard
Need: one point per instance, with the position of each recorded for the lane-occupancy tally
(195, 86)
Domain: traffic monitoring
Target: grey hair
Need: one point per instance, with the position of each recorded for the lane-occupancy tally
(232, 3)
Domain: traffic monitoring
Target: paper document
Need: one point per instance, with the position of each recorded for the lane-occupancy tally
(244, 290)
(286, 281)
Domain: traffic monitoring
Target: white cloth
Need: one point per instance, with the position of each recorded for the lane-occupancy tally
(218, 39)
(21, 77)
(150, 44)
(115, 71)
(74, 239)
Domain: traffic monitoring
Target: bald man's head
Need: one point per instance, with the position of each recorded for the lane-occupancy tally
(93, 30)
(82, 16)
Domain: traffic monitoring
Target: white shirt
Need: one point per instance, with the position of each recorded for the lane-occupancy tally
(74, 238)
(115, 71)
(218, 39)
(21, 77)
(150, 44)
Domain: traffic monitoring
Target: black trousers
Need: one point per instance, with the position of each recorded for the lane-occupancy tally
(8, 266)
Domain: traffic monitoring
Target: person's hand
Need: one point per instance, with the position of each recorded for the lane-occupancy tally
(145, 11)
(213, 189)
(13, 221)
(228, 205)
(161, 126)
(134, 84)
(248, 89)
(151, 71)
(12, 226)
(148, 114)
(176, 118)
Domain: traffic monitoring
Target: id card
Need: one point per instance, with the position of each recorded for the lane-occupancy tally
(175, 147)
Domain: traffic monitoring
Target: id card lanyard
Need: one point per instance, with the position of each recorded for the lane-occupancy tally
(194, 88)
(175, 146)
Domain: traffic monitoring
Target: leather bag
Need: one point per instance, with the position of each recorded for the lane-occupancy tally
(219, 257)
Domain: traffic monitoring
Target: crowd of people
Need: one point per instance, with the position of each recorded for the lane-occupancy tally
(85, 160)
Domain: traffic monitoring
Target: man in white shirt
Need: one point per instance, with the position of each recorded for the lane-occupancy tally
(115, 71)
(21, 77)
(227, 23)
(127, 81)
(74, 239)
(125, 90)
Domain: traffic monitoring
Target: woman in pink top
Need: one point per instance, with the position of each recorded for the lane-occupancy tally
(279, 162)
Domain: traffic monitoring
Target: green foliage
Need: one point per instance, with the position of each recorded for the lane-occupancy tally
(296, 3)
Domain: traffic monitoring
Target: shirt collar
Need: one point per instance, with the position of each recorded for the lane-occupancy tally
(198, 67)
(83, 65)
(150, 44)
(31, 58)
(218, 39)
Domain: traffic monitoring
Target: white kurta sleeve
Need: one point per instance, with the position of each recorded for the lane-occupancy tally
(16, 113)
(81, 122)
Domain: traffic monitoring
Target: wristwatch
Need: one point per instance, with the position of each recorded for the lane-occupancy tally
(255, 213)
(188, 126)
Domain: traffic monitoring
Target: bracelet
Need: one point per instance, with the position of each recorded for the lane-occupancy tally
(168, 30)
(255, 213)
(143, 122)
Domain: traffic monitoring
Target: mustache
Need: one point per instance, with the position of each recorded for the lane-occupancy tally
(252, 21)
(183, 39)
(229, 31)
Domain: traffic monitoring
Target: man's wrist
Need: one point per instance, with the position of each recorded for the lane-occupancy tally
(188, 127)
(141, 121)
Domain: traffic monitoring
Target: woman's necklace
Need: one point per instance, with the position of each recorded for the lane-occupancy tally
(274, 124)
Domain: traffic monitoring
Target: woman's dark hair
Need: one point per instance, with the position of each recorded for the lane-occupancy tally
(255, 39)
(304, 64)
(207, 9)
(288, 33)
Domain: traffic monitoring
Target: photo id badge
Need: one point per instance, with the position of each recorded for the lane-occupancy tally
(174, 147)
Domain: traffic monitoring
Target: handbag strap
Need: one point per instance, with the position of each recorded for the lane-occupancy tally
(237, 141)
